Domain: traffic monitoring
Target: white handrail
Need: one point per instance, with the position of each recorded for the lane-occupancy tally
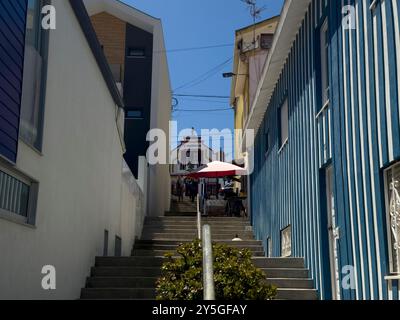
(208, 268)
(198, 213)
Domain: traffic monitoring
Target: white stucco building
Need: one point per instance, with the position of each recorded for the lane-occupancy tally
(66, 194)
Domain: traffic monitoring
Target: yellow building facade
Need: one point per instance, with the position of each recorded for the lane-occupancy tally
(252, 45)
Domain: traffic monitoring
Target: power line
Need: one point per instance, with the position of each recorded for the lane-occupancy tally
(203, 110)
(201, 96)
(204, 76)
(204, 100)
(195, 48)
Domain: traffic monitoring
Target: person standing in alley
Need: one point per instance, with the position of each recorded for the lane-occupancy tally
(179, 189)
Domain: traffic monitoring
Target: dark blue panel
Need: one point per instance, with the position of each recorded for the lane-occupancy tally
(12, 39)
(6, 50)
(9, 116)
(7, 127)
(8, 74)
(9, 88)
(7, 141)
(6, 152)
(15, 22)
(8, 103)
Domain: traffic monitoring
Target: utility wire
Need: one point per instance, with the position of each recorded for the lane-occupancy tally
(201, 96)
(195, 48)
(204, 76)
(203, 110)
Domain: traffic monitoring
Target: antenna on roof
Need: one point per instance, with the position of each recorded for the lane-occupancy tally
(255, 11)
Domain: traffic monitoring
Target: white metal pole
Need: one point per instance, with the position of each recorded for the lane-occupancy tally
(208, 268)
(198, 212)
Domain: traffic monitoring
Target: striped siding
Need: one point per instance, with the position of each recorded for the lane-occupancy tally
(12, 42)
(359, 134)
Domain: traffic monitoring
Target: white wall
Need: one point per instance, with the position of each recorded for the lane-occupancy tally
(82, 188)
(159, 175)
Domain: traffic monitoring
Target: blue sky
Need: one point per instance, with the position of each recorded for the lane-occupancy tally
(198, 23)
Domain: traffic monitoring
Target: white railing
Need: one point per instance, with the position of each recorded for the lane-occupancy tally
(395, 225)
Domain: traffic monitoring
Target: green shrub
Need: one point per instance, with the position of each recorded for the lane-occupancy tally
(235, 276)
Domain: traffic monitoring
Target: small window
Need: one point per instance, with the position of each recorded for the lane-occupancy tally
(393, 216)
(286, 242)
(136, 53)
(266, 41)
(325, 85)
(34, 80)
(118, 246)
(105, 244)
(284, 123)
(267, 142)
(18, 197)
(134, 114)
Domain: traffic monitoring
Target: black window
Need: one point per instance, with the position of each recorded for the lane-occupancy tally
(134, 114)
(136, 53)
(266, 41)
(267, 141)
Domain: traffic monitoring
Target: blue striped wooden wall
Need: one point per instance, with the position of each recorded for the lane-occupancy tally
(12, 44)
(358, 134)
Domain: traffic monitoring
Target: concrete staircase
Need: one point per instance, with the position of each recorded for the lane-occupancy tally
(183, 208)
(135, 277)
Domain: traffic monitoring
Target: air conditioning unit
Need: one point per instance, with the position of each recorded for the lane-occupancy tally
(266, 41)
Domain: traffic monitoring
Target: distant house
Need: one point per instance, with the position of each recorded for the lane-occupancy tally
(326, 181)
(133, 43)
(189, 155)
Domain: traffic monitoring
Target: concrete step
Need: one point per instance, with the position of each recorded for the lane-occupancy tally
(130, 261)
(285, 273)
(174, 247)
(279, 263)
(126, 271)
(194, 219)
(193, 228)
(121, 282)
(229, 234)
(190, 237)
(118, 294)
(296, 294)
(179, 242)
(155, 252)
(291, 283)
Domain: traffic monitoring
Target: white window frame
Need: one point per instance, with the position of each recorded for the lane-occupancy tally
(286, 242)
(389, 220)
(283, 139)
(30, 218)
(324, 47)
(34, 83)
